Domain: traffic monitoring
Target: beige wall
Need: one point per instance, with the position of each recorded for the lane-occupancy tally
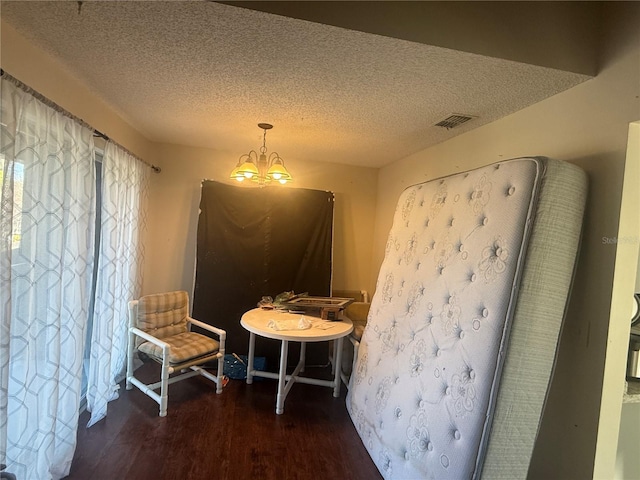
(627, 462)
(175, 196)
(588, 126)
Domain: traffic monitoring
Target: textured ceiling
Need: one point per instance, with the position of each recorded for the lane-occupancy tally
(204, 74)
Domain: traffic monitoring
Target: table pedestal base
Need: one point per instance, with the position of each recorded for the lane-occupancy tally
(285, 382)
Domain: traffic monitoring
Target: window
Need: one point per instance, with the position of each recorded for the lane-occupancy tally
(18, 188)
(94, 281)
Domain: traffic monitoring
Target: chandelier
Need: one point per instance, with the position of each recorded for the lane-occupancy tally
(260, 168)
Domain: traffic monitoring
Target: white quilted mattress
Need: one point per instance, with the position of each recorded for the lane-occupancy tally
(426, 378)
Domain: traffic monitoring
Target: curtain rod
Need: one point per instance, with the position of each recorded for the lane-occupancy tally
(58, 108)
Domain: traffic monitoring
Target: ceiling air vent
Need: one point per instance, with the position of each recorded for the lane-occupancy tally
(454, 120)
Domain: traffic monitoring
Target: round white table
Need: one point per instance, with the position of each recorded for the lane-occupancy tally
(257, 322)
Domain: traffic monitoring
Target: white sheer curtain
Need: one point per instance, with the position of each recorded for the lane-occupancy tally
(125, 183)
(46, 259)
(47, 255)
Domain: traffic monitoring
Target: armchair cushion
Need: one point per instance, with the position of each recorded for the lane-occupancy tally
(358, 313)
(183, 347)
(163, 315)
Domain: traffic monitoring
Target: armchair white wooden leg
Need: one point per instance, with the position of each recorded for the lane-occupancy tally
(129, 386)
(164, 387)
(219, 381)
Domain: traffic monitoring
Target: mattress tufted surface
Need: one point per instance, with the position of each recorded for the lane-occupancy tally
(428, 367)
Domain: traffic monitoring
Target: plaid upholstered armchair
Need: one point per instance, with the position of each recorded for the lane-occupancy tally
(160, 327)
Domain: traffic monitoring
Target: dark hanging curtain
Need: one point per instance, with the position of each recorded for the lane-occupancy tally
(257, 242)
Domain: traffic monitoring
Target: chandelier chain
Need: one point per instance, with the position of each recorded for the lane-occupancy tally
(263, 148)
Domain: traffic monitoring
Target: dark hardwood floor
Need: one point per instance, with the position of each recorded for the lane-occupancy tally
(234, 435)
